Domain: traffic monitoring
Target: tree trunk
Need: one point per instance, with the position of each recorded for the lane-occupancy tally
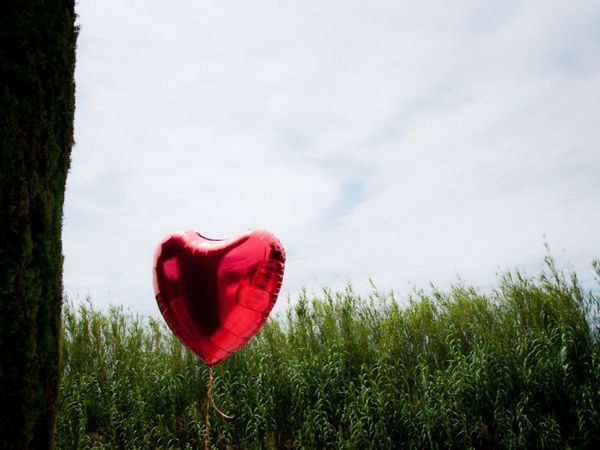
(37, 97)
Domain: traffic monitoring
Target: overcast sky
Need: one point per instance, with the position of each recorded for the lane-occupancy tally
(400, 141)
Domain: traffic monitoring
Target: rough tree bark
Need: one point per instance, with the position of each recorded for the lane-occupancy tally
(37, 60)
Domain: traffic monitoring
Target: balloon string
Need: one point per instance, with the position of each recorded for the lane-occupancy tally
(208, 396)
(210, 402)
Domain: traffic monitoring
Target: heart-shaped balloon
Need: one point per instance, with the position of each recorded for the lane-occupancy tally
(216, 294)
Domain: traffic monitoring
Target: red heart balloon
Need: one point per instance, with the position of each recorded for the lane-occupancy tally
(216, 294)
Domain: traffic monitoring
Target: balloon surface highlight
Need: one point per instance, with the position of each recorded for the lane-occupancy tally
(216, 294)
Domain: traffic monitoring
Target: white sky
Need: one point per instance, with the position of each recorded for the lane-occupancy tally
(400, 141)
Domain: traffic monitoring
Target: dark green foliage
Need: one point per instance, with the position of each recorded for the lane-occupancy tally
(37, 54)
(517, 368)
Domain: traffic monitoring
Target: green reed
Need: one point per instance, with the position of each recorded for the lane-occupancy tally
(517, 367)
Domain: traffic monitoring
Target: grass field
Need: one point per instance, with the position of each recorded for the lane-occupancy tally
(518, 367)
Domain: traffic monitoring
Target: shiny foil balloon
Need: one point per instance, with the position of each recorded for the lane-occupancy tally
(216, 294)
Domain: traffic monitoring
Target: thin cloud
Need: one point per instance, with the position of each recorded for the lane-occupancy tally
(398, 141)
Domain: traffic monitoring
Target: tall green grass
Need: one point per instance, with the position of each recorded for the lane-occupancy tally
(518, 367)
